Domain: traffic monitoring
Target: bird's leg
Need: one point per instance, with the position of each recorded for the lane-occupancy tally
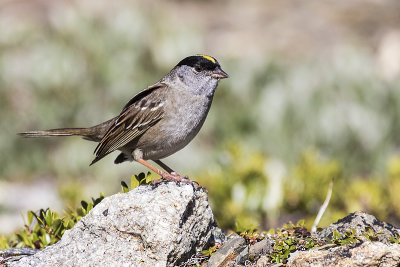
(164, 166)
(171, 171)
(164, 175)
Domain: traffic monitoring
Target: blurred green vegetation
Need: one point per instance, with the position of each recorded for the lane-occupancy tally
(245, 196)
(279, 130)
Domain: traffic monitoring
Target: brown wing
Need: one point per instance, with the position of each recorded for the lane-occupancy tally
(139, 114)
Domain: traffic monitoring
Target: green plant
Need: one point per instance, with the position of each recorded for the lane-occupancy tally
(396, 239)
(252, 237)
(4, 242)
(282, 249)
(289, 238)
(46, 227)
(347, 238)
(211, 250)
(137, 180)
(370, 234)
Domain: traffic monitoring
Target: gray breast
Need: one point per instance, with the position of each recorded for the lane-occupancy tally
(183, 118)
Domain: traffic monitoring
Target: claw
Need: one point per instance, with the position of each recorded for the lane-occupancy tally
(174, 177)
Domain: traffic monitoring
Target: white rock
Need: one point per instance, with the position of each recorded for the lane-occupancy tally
(149, 226)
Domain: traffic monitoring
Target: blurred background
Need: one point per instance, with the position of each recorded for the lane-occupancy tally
(313, 95)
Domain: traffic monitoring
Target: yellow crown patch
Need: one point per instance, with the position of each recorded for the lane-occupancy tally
(209, 58)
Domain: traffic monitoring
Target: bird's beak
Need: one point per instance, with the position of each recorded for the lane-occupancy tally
(218, 73)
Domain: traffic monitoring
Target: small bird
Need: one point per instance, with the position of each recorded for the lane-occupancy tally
(159, 120)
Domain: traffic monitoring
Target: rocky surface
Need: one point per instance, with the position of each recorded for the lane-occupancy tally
(169, 224)
(229, 252)
(360, 221)
(15, 254)
(160, 226)
(260, 249)
(382, 252)
(359, 254)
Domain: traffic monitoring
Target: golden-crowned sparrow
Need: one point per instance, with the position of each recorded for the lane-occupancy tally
(158, 121)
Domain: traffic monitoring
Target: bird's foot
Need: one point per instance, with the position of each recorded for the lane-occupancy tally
(174, 177)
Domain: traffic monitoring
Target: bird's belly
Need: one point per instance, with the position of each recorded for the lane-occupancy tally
(175, 133)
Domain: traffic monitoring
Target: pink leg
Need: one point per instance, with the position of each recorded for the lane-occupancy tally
(164, 166)
(164, 175)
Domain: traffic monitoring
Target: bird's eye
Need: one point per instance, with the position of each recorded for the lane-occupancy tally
(197, 68)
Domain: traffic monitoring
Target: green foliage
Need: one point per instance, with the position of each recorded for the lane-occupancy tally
(305, 181)
(244, 194)
(289, 238)
(211, 250)
(395, 240)
(46, 227)
(252, 237)
(347, 238)
(370, 234)
(4, 242)
(137, 180)
(237, 188)
(85, 208)
(245, 227)
(282, 249)
(295, 237)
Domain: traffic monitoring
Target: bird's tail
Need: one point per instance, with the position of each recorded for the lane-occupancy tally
(94, 133)
(57, 132)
